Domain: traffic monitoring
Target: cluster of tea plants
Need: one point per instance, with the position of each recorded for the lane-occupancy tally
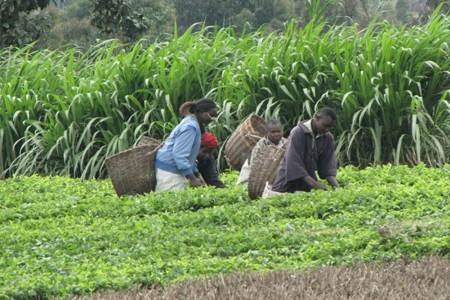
(63, 236)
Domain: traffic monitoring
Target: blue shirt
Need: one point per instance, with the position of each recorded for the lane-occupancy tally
(180, 150)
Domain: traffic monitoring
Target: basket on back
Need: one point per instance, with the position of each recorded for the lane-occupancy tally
(146, 140)
(241, 142)
(132, 171)
(264, 168)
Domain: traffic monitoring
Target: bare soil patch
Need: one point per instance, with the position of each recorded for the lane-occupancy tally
(428, 278)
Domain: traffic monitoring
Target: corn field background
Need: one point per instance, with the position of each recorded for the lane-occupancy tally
(64, 112)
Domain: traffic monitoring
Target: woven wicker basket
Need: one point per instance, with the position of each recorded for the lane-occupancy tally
(241, 142)
(146, 140)
(133, 171)
(264, 168)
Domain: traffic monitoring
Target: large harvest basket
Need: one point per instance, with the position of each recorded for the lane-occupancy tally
(240, 144)
(133, 171)
(146, 140)
(264, 168)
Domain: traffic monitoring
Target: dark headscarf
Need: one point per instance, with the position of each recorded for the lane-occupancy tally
(192, 107)
(203, 104)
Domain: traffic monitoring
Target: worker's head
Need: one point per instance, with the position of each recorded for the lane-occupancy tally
(274, 131)
(325, 120)
(208, 144)
(204, 109)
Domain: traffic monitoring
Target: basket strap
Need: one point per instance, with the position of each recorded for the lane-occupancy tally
(252, 135)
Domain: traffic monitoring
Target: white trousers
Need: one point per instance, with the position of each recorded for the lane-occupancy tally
(168, 181)
(267, 193)
(244, 175)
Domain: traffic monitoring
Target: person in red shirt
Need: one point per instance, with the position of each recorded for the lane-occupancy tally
(206, 163)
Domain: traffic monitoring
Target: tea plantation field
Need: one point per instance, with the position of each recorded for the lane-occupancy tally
(63, 236)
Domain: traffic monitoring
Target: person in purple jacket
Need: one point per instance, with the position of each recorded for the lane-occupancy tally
(175, 164)
(310, 148)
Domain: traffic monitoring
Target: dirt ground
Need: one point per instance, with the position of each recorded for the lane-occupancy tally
(403, 279)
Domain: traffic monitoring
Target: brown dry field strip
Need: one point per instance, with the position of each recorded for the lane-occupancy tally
(428, 278)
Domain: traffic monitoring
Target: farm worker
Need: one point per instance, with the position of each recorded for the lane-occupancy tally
(310, 148)
(206, 163)
(274, 137)
(175, 162)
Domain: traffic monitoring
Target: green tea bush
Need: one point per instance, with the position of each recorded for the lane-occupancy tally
(64, 236)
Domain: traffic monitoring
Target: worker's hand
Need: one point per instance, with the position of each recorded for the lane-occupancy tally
(333, 182)
(195, 182)
(319, 186)
(315, 185)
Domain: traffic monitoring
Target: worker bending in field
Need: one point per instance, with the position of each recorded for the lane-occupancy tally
(274, 137)
(310, 148)
(206, 163)
(175, 163)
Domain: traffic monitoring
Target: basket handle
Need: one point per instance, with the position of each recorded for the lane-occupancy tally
(276, 152)
(252, 135)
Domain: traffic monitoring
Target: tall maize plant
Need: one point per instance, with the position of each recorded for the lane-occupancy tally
(392, 91)
(64, 112)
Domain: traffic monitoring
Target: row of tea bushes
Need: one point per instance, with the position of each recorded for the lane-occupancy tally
(63, 236)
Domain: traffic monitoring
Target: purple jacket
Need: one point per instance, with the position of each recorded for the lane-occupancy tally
(304, 156)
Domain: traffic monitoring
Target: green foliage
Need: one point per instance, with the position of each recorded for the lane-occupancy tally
(384, 99)
(18, 25)
(434, 4)
(402, 8)
(65, 111)
(65, 237)
(317, 8)
(160, 18)
(132, 19)
(80, 9)
(208, 12)
(75, 33)
(128, 20)
(118, 16)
